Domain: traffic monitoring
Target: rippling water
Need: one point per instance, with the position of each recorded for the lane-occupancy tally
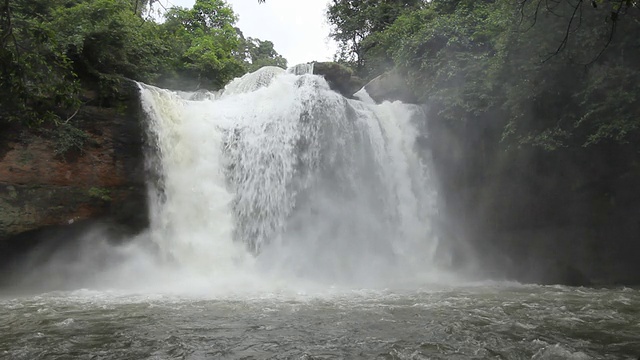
(478, 322)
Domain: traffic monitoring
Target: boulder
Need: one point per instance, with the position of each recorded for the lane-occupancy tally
(390, 86)
(339, 77)
(561, 273)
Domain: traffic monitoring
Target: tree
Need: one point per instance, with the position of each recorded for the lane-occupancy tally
(36, 80)
(206, 39)
(353, 21)
(258, 53)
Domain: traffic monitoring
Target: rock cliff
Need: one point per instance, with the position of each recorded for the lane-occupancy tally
(390, 86)
(42, 187)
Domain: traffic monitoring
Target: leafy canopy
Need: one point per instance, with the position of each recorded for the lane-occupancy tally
(51, 49)
(554, 71)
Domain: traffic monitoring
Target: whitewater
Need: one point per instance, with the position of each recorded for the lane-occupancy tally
(280, 176)
(290, 222)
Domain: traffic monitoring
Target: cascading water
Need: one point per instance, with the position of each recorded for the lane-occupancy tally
(283, 175)
(301, 69)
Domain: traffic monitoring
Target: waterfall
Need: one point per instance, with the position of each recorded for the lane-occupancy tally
(301, 69)
(282, 173)
(253, 81)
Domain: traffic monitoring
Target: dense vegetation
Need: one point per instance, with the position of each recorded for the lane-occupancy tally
(473, 57)
(533, 111)
(53, 51)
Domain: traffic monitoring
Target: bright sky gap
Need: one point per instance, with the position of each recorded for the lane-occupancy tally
(300, 33)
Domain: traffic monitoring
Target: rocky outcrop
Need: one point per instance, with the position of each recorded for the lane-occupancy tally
(41, 186)
(390, 86)
(339, 77)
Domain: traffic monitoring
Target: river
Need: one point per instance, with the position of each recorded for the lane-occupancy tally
(482, 321)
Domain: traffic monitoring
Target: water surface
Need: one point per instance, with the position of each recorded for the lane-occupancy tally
(495, 321)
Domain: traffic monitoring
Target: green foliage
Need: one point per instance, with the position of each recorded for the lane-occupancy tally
(49, 49)
(36, 78)
(574, 87)
(542, 69)
(69, 138)
(257, 53)
(206, 40)
(444, 54)
(355, 23)
(107, 37)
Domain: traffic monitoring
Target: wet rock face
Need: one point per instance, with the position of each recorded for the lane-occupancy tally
(105, 180)
(390, 86)
(339, 77)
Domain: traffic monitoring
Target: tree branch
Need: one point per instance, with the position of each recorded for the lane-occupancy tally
(565, 40)
(72, 116)
(523, 3)
(614, 22)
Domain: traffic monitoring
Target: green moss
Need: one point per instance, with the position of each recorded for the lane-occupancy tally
(100, 193)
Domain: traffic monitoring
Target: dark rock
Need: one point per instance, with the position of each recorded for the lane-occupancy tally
(390, 86)
(560, 273)
(339, 77)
